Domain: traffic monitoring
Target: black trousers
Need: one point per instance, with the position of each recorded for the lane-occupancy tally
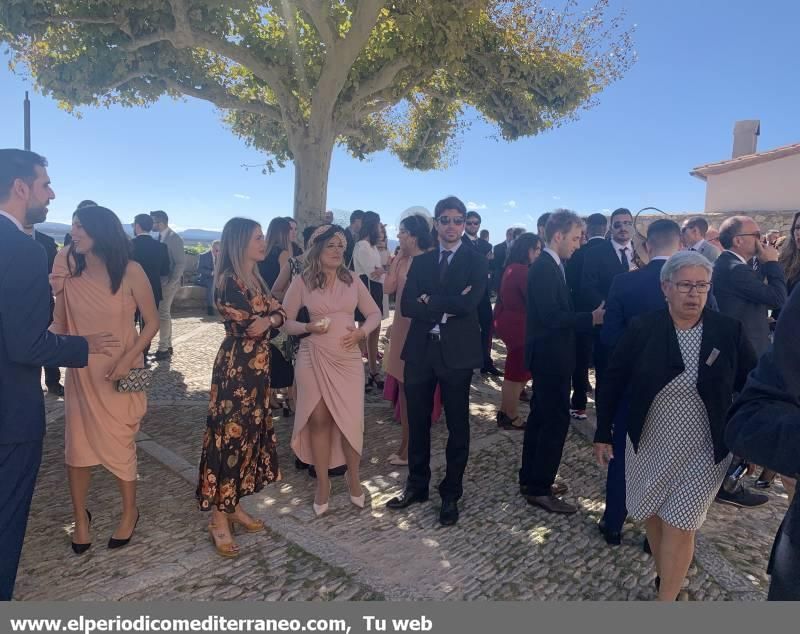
(420, 380)
(19, 466)
(52, 376)
(600, 355)
(580, 378)
(485, 320)
(545, 433)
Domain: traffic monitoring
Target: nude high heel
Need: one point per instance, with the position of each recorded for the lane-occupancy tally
(321, 509)
(357, 500)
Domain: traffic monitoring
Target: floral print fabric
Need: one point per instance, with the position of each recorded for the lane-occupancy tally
(239, 446)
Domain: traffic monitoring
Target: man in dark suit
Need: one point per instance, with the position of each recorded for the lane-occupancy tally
(443, 346)
(205, 268)
(471, 240)
(351, 234)
(153, 256)
(499, 259)
(25, 346)
(52, 376)
(552, 325)
(632, 294)
(602, 264)
(747, 295)
(596, 226)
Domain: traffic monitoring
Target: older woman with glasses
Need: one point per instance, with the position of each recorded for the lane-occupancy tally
(682, 366)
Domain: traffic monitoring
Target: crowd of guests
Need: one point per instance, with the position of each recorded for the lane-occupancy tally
(672, 327)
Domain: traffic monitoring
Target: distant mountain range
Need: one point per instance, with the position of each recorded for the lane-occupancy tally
(58, 230)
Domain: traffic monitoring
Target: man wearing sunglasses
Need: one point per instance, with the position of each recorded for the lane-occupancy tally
(441, 297)
(601, 265)
(471, 239)
(747, 295)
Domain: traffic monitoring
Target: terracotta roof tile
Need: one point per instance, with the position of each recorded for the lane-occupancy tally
(720, 167)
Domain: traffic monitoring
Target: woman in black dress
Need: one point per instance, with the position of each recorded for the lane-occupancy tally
(278, 254)
(239, 447)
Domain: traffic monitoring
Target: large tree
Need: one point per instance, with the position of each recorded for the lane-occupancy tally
(294, 77)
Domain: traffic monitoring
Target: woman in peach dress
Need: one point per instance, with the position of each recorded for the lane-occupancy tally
(97, 287)
(329, 421)
(415, 238)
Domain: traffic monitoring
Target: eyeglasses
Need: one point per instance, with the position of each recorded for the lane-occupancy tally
(756, 235)
(446, 220)
(686, 287)
(473, 223)
(622, 223)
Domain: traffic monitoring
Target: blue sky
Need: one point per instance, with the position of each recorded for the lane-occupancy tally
(702, 65)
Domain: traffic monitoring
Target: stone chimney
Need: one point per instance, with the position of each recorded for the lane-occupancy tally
(745, 137)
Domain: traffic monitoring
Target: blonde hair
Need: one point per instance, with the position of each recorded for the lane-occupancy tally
(236, 236)
(313, 275)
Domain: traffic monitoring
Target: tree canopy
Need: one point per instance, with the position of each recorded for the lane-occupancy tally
(294, 77)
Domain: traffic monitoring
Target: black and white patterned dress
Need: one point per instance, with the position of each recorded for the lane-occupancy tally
(673, 475)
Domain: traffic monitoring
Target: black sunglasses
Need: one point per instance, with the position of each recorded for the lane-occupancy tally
(446, 220)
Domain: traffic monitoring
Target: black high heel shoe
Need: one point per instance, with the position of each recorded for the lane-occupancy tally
(79, 549)
(113, 542)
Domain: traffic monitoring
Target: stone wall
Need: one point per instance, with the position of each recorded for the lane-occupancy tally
(780, 220)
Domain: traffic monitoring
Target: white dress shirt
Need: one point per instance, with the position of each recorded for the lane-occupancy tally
(628, 252)
(435, 329)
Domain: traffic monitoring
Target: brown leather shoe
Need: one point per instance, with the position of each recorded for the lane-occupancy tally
(551, 504)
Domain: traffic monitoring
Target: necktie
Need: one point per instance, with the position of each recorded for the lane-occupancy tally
(563, 270)
(444, 262)
(159, 237)
(624, 258)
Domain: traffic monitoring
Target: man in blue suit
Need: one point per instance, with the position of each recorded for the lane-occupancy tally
(26, 346)
(632, 294)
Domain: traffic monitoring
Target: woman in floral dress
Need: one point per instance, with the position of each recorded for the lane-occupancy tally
(239, 446)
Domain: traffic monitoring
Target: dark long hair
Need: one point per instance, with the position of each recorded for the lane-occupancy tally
(111, 244)
(789, 257)
(370, 227)
(518, 254)
(418, 228)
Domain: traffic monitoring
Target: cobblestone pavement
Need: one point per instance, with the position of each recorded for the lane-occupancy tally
(501, 549)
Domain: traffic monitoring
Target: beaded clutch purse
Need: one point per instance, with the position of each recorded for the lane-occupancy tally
(138, 380)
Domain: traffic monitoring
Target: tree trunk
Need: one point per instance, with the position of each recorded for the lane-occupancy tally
(312, 162)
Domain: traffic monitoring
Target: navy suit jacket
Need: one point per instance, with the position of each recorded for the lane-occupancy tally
(25, 343)
(632, 294)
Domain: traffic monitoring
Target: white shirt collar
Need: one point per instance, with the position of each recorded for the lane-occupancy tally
(16, 222)
(553, 255)
(452, 250)
(659, 257)
(741, 259)
(596, 238)
(618, 246)
(696, 246)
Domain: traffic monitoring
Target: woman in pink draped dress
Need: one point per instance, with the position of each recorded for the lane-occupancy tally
(329, 420)
(98, 288)
(415, 238)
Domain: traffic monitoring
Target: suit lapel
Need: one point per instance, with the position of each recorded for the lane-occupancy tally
(709, 343)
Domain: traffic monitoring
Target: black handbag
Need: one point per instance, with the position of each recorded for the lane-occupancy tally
(304, 317)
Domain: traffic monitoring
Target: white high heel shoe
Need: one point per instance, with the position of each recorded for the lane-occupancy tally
(321, 509)
(357, 500)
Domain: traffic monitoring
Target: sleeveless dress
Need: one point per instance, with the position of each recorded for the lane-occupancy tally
(673, 474)
(100, 423)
